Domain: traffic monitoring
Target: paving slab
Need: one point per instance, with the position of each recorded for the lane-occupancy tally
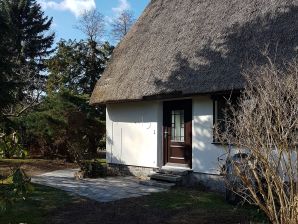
(101, 189)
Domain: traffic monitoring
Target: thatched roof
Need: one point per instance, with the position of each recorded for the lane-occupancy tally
(190, 47)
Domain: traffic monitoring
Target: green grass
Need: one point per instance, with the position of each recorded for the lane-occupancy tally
(36, 207)
(103, 161)
(17, 161)
(44, 200)
(183, 198)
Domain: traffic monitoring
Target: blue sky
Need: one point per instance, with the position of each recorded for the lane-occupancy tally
(66, 13)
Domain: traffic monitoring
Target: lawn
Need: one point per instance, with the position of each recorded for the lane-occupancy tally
(36, 208)
(42, 200)
(193, 206)
(180, 205)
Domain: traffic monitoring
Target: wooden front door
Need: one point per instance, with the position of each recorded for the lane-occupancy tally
(177, 130)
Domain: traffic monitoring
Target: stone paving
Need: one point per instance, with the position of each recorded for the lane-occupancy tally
(101, 189)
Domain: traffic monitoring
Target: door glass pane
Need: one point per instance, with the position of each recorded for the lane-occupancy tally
(177, 126)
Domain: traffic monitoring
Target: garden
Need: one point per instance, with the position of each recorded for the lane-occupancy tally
(44, 204)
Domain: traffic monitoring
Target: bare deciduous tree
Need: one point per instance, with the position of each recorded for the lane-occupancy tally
(92, 25)
(265, 127)
(122, 24)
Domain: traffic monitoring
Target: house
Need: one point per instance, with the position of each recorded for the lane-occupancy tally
(164, 87)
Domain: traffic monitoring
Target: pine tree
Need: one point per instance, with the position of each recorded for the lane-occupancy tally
(96, 61)
(76, 66)
(96, 54)
(30, 44)
(6, 86)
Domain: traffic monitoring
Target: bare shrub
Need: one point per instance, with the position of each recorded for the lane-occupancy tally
(264, 126)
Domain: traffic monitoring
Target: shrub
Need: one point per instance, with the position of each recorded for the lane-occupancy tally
(62, 126)
(93, 168)
(16, 186)
(265, 127)
(10, 146)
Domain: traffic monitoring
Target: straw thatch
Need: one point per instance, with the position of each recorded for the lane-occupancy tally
(190, 47)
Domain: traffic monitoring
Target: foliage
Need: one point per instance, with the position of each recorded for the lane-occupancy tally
(36, 208)
(68, 125)
(64, 121)
(10, 146)
(21, 183)
(28, 45)
(93, 168)
(265, 128)
(7, 86)
(76, 66)
(57, 82)
(17, 187)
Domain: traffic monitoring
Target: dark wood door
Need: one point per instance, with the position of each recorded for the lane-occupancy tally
(177, 130)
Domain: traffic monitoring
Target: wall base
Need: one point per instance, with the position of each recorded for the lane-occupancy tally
(126, 170)
(209, 181)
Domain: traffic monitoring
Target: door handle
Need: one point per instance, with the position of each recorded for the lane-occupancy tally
(166, 134)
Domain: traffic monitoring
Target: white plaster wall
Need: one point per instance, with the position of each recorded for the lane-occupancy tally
(204, 154)
(134, 133)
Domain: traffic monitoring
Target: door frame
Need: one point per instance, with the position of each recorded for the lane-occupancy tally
(183, 103)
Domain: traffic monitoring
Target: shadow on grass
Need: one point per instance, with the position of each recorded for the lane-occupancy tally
(204, 204)
(179, 205)
(37, 206)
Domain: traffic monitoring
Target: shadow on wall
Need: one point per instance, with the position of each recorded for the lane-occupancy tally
(241, 47)
(136, 112)
(118, 166)
(205, 154)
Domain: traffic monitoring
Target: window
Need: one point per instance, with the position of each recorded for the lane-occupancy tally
(177, 130)
(222, 112)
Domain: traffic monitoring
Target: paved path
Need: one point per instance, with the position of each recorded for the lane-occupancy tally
(102, 189)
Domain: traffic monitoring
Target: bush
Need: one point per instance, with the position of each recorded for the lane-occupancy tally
(10, 146)
(93, 168)
(265, 126)
(62, 126)
(16, 186)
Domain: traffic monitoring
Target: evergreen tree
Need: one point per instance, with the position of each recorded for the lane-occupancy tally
(29, 44)
(50, 127)
(96, 61)
(6, 86)
(93, 26)
(76, 66)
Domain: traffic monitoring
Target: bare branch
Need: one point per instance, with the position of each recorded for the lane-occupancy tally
(264, 126)
(122, 24)
(92, 25)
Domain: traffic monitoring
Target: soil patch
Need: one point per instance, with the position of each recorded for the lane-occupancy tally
(33, 167)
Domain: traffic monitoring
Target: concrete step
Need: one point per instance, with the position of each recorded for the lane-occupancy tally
(166, 177)
(172, 171)
(156, 183)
